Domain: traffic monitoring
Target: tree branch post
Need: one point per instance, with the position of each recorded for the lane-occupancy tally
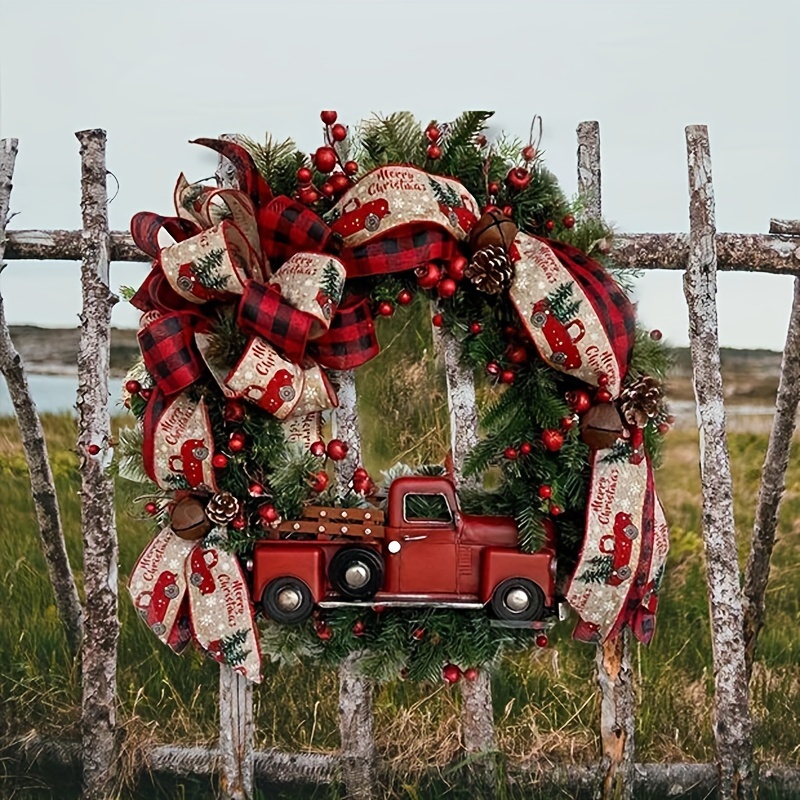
(43, 487)
(100, 549)
(732, 722)
(773, 484)
(356, 722)
(236, 722)
(613, 657)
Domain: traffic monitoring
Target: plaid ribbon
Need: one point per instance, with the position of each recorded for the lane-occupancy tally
(610, 303)
(288, 227)
(170, 352)
(351, 339)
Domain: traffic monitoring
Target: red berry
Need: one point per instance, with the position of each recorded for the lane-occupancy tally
(418, 634)
(602, 396)
(319, 481)
(567, 423)
(361, 474)
(339, 133)
(433, 133)
(237, 442)
(304, 176)
(133, 387)
(405, 297)
(525, 448)
(475, 327)
(569, 221)
(481, 140)
(325, 159)
(317, 449)
(556, 510)
(451, 673)
(508, 211)
(151, 509)
(362, 486)
(93, 449)
(602, 379)
(549, 225)
(656, 335)
(528, 152)
(494, 188)
(663, 428)
(323, 631)
(489, 207)
(552, 439)
(379, 608)
(446, 287)
(518, 178)
(517, 355)
(359, 628)
(350, 168)
(239, 523)
(428, 276)
(337, 449)
(220, 461)
(471, 674)
(255, 489)
(437, 320)
(385, 309)
(455, 269)
(309, 196)
(541, 640)
(545, 492)
(434, 151)
(146, 394)
(233, 411)
(510, 453)
(327, 189)
(328, 117)
(507, 376)
(493, 368)
(340, 182)
(268, 513)
(579, 401)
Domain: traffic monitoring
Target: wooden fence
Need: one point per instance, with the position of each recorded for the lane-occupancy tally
(736, 615)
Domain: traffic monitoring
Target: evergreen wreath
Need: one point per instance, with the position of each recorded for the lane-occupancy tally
(536, 440)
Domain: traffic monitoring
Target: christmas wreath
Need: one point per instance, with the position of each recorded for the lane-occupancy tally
(259, 296)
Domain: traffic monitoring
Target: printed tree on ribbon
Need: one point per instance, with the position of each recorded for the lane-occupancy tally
(206, 269)
(599, 570)
(331, 282)
(231, 648)
(562, 304)
(445, 194)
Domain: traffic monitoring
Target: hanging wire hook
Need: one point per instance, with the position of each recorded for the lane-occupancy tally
(116, 180)
(534, 139)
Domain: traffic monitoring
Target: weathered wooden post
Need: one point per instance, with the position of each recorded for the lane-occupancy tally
(732, 723)
(613, 658)
(43, 487)
(100, 550)
(236, 724)
(773, 476)
(356, 721)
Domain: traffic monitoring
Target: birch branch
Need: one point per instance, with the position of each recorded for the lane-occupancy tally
(732, 723)
(773, 484)
(790, 227)
(100, 550)
(43, 489)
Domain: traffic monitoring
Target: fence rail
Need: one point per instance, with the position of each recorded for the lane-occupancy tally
(699, 254)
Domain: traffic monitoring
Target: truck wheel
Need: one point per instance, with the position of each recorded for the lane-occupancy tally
(518, 599)
(356, 572)
(288, 601)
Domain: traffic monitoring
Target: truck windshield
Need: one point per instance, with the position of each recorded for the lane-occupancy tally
(427, 508)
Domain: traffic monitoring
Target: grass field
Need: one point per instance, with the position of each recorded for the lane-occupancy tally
(545, 701)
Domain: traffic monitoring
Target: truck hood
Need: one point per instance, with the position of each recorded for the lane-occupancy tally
(495, 531)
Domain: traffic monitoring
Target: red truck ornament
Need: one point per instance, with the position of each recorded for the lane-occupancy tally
(431, 555)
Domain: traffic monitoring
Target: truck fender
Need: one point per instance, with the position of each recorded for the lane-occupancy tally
(500, 563)
(279, 559)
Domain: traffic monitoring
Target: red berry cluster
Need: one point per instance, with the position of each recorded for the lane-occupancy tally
(434, 150)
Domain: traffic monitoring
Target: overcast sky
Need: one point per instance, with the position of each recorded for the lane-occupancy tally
(156, 74)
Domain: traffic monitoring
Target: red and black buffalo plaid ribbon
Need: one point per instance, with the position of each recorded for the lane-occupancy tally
(610, 303)
(169, 351)
(289, 227)
(350, 341)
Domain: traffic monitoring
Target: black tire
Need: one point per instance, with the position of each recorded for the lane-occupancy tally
(534, 600)
(355, 556)
(276, 601)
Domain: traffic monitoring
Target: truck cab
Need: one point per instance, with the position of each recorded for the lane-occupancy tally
(431, 555)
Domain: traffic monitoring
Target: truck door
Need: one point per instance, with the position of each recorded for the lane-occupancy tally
(427, 545)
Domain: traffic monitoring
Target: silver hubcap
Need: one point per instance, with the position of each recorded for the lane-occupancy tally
(517, 600)
(356, 575)
(288, 599)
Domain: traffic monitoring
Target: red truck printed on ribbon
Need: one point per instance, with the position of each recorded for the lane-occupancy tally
(153, 605)
(202, 562)
(561, 342)
(278, 391)
(357, 217)
(619, 546)
(190, 461)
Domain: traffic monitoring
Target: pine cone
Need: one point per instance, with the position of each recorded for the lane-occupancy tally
(222, 508)
(490, 270)
(641, 401)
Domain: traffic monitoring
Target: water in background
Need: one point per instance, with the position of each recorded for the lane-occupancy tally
(56, 394)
